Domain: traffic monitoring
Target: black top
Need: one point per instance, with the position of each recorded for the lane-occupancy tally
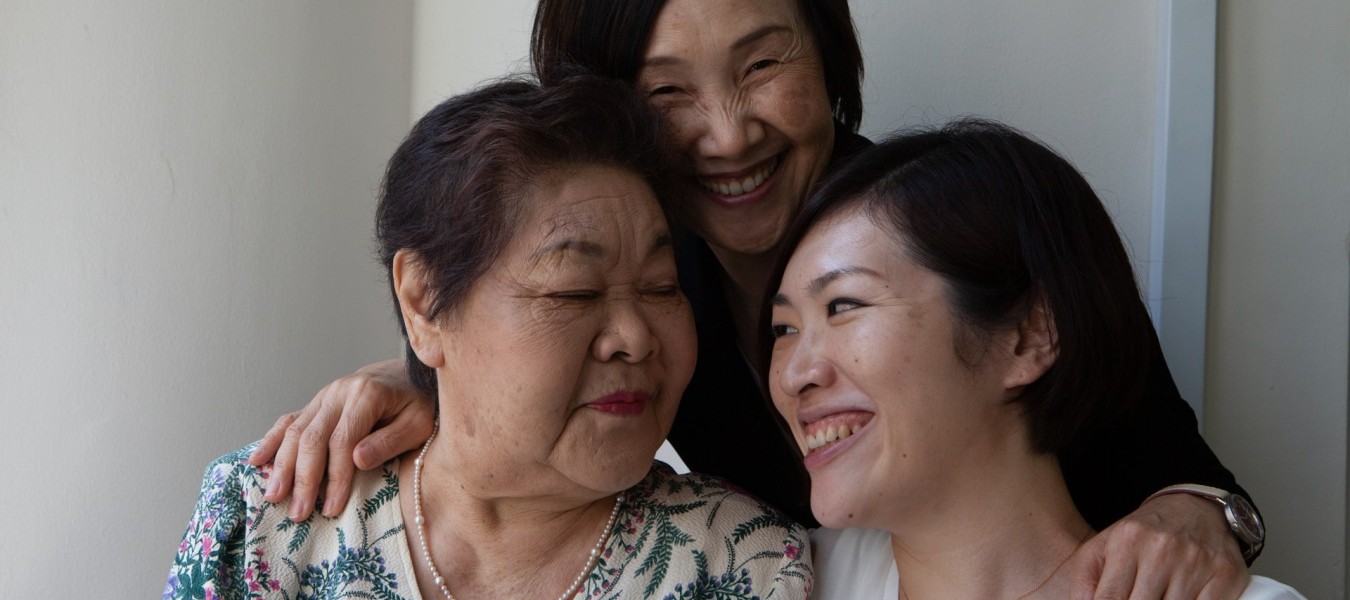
(727, 427)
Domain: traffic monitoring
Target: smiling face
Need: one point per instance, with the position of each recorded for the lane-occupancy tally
(561, 371)
(866, 372)
(742, 87)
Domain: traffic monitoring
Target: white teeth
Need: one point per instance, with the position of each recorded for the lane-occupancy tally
(743, 186)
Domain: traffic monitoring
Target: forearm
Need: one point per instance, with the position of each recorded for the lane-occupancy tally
(1157, 444)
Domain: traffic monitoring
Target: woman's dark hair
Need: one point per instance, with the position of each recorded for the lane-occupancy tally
(452, 189)
(610, 37)
(1007, 222)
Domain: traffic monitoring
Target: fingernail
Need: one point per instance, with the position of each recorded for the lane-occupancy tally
(273, 483)
(296, 507)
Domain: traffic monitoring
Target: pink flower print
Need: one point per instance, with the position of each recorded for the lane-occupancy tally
(254, 587)
(791, 550)
(274, 584)
(206, 547)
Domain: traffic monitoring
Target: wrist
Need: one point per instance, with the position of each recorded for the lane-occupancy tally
(1243, 521)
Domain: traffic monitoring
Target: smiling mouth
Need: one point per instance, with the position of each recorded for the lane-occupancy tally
(823, 434)
(737, 186)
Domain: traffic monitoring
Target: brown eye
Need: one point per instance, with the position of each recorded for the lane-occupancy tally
(839, 305)
(760, 65)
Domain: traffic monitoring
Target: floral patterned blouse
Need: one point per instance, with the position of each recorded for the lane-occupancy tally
(676, 537)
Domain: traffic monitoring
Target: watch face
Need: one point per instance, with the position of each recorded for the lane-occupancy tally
(1244, 520)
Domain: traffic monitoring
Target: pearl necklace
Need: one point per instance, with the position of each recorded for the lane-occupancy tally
(426, 550)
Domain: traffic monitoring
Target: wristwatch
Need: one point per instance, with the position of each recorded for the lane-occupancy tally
(1242, 517)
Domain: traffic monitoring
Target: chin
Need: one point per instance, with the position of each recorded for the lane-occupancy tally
(836, 504)
(833, 515)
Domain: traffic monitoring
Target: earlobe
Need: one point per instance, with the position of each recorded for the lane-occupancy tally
(414, 302)
(1036, 348)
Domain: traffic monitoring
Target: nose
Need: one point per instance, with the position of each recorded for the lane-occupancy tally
(805, 369)
(731, 130)
(626, 336)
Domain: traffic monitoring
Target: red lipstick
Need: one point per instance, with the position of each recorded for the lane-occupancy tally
(622, 403)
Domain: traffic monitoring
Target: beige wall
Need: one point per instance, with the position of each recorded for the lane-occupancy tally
(1276, 373)
(186, 191)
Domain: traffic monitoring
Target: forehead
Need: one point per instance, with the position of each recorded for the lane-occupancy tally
(717, 23)
(585, 201)
(849, 238)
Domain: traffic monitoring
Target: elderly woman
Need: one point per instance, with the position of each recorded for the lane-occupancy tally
(534, 276)
(957, 309)
(763, 98)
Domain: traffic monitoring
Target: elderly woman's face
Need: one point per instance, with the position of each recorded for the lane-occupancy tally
(866, 373)
(562, 369)
(742, 86)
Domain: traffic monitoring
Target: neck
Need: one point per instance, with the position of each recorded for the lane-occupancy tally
(999, 533)
(745, 283)
(487, 547)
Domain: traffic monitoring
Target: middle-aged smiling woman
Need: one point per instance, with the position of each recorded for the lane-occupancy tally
(534, 275)
(762, 98)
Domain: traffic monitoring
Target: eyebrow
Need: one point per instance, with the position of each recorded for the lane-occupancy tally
(594, 250)
(759, 34)
(743, 41)
(819, 284)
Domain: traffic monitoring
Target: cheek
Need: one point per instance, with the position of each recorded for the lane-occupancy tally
(673, 325)
(801, 107)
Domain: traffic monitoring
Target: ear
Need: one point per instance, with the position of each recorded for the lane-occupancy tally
(1036, 346)
(414, 302)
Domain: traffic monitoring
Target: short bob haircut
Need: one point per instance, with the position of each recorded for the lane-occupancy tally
(1005, 222)
(610, 38)
(452, 189)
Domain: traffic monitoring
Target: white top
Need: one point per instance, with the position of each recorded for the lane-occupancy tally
(859, 564)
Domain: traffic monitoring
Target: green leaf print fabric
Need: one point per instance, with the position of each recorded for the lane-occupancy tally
(676, 537)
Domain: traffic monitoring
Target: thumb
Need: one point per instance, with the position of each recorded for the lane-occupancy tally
(409, 429)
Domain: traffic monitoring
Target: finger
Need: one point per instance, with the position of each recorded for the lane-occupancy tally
(355, 421)
(1228, 582)
(406, 432)
(267, 448)
(283, 464)
(1084, 568)
(1148, 585)
(312, 459)
(1187, 577)
(1117, 580)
